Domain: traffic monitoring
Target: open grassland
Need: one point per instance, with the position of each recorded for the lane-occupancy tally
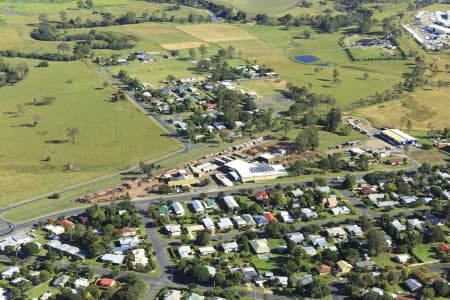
(112, 135)
(427, 107)
(216, 33)
(277, 8)
(180, 46)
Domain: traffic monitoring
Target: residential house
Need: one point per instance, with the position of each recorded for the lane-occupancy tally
(413, 285)
(296, 237)
(66, 224)
(305, 279)
(443, 247)
(211, 270)
(55, 229)
(209, 224)
(318, 241)
(139, 257)
(61, 281)
(163, 210)
(309, 250)
(81, 283)
(408, 199)
(185, 252)
(297, 192)
(375, 197)
(197, 206)
(206, 250)
(225, 224)
(66, 249)
(323, 189)
(365, 264)
(343, 267)
(402, 258)
(260, 246)
(18, 281)
(105, 283)
(230, 202)
(340, 210)
(230, 247)
(173, 230)
(399, 226)
(172, 295)
(194, 296)
(178, 208)
(415, 223)
(133, 241)
(269, 217)
(9, 272)
(337, 232)
(309, 213)
(323, 269)
(286, 217)
(250, 222)
(210, 204)
(330, 202)
(128, 231)
(239, 221)
(115, 259)
(262, 197)
(354, 230)
(261, 221)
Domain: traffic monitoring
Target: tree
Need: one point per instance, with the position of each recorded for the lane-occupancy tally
(428, 293)
(192, 54)
(318, 288)
(89, 3)
(20, 109)
(200, 273)
(63, 48)
(36, 120)
(334, 118)
(43, 64)
(80, 4)
(409, 125)
(105, 84)
(335, 74)
(376, 241)
(307, 33)
(170, 78)
(441, 288)
(202, 49)
(30, 249)
(307, 138)
(63, 16)
(73, 133)
(203, 238)
(366, 75)
(349, 181)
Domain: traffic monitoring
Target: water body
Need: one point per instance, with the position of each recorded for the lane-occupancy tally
(306, 59)
(322, 65)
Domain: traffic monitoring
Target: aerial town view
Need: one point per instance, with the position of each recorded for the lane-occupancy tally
(224, 149)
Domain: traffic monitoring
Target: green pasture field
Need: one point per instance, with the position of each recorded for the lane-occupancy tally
(372, 53)
(112, 135)
(277, 8)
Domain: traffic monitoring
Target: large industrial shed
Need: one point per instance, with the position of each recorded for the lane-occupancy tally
(398, 137)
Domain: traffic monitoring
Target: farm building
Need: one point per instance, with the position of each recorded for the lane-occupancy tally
(398, 137)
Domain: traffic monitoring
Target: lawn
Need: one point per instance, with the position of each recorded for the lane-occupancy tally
(112, 136)
(425, 252)
(383, 259)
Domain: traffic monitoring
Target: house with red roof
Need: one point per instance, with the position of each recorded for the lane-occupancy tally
(66, 224)
(269, 217)
(209, 105)
(105, 283)
(367, 191)
(128, 231)
(443, 247)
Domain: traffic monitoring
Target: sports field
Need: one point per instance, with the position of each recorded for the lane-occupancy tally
(112, 135)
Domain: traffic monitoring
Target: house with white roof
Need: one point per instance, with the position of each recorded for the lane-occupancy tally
(415, 223)
(209, 224)
(206, 250)
(81, 283)
(286, 217)
(178, 208)
(115, 259)
(354, 230)
(309, 213)
(225, 224)
(399, 226)
(9, 272)
(230, 202)
(230, 247)
(323, 189)
(296, 237)
(172, 295)
(408, 199)
(318, 241)
(184, 251)
(239, 221)
(173, 229)
(309, 250)
(340, 210)
(197, 206)
(337, 232)
(139, 257)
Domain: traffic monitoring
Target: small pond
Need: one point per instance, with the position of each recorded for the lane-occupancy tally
(306, 59)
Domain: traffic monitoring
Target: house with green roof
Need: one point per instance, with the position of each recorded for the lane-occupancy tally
(163, 210)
